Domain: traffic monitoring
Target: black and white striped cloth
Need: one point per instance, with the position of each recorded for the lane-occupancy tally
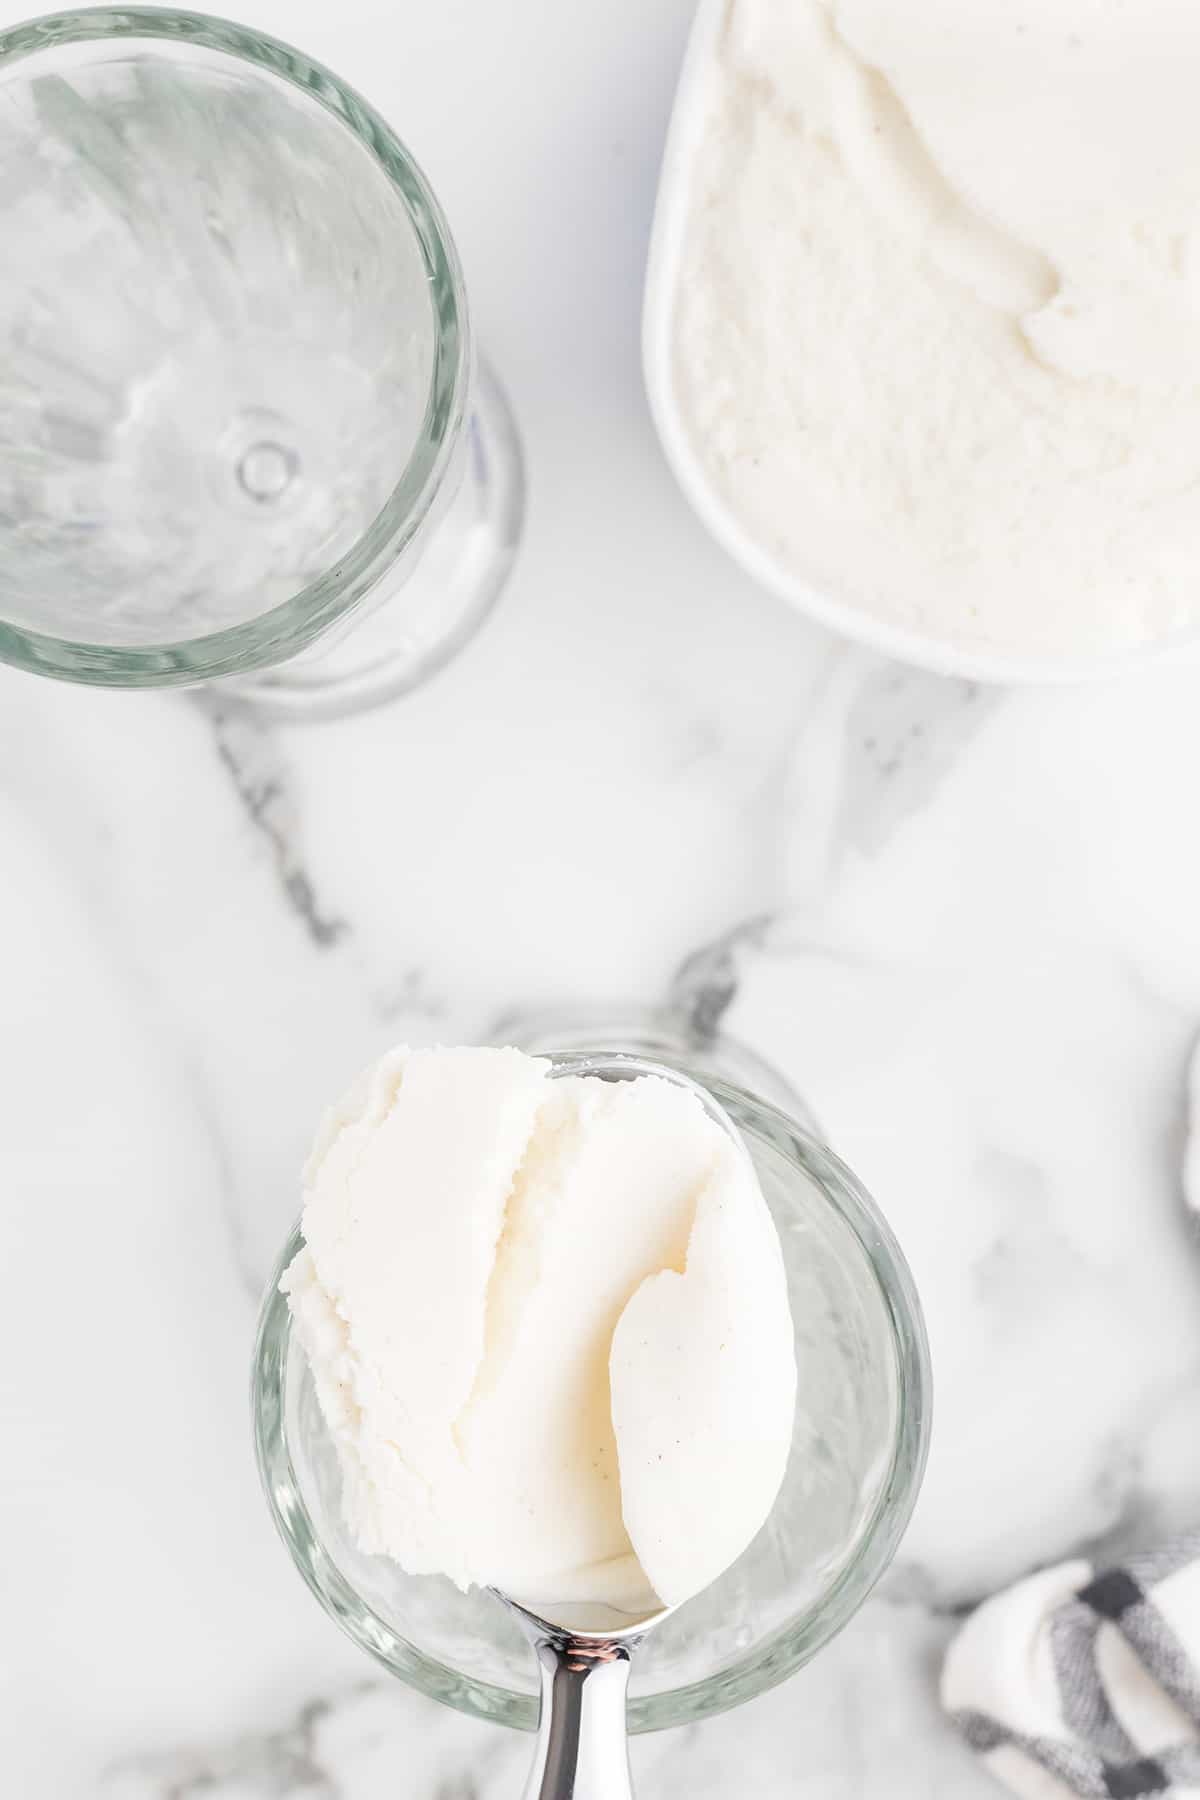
(1078, 1682)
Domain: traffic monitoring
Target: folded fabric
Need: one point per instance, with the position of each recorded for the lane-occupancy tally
(1078, 1682)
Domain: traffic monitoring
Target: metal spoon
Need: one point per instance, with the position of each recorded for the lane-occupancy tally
(582, 1750)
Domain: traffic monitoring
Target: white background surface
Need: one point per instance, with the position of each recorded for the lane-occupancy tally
(966, 923)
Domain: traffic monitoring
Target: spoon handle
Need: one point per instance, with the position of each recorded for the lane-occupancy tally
(582, 1750)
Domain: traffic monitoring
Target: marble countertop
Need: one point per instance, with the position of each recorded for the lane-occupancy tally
(963, 921)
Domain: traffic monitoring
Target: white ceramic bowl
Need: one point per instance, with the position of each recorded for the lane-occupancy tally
(666, 252)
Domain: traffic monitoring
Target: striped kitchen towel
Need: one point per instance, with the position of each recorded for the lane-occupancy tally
(1077, 1682)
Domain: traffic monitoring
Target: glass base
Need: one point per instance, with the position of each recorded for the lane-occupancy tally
(412, 632)
(663, 1034)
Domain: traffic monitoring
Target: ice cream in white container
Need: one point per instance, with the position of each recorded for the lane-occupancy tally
(548, 1325)
(921, 321)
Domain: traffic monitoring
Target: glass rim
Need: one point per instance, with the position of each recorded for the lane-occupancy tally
(794, 1642)
(287, 628)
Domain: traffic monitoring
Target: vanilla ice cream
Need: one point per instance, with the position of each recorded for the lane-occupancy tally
(937, 317)
(548, 1323)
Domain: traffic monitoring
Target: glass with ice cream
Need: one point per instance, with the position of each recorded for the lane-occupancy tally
(607, 1339)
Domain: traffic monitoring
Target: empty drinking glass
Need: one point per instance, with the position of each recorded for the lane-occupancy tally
(240, 431)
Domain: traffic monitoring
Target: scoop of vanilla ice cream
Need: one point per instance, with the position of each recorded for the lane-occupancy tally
(548, 1325)
(703, 1377)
